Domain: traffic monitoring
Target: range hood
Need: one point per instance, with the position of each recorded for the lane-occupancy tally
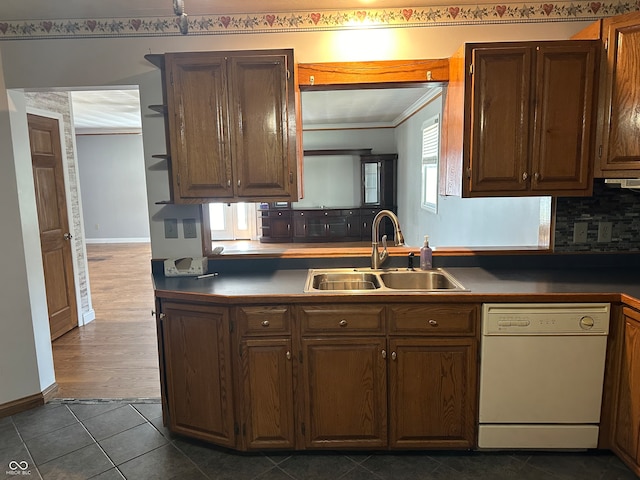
(623, 182)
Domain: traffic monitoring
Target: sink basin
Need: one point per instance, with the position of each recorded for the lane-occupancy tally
(351, 280)
(345, 281)
(420, 280)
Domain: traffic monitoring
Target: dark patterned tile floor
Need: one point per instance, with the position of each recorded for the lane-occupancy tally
(115, 440)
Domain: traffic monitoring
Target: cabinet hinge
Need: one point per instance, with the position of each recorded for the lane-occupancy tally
(236, 428)
(469, 172)
(171, 78)
(290, 177)
(302, 428)
(471, 69)
(288, 74)
(230, 326)
(606, 45)
(600, 151)
(178, 179)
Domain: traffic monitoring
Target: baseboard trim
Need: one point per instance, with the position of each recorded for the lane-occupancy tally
(27, 403)
(89, 241)
(89, 316)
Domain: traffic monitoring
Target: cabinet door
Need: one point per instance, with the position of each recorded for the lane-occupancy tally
(627, 423)
(198, 125)
(432, 400)
(262, 117)
(621, 91)
(198, 372)
(345, 385)
(268, 393)
(500, 119)
(565, 74)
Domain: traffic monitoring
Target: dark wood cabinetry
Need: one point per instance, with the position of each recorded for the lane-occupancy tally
(265, 359)
(617, 152)
(519, 118)
(231, 125)
(319, 225)
(626, 427)
(196, 348)
(321, 376)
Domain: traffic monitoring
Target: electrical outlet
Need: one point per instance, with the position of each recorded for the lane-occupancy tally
(189, 228)
(170, 228)
(580, 232)
(604, 232)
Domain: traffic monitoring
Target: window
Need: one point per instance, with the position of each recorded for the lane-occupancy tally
(233, 221)
(430, 157)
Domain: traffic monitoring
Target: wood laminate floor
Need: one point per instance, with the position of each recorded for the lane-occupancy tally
(116, 355)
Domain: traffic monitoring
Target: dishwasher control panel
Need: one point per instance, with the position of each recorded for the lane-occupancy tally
(545, 318)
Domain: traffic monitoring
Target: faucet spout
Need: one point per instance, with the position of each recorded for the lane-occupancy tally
(378, 258)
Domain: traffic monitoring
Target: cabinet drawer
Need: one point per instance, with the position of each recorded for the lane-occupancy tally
(321, 319)
(263, 321)
(434, 319)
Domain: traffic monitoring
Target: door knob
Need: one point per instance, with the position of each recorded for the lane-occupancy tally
(67, 236)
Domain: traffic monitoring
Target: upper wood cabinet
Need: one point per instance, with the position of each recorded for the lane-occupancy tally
(518, 119)
(618, 142)
(232, 125)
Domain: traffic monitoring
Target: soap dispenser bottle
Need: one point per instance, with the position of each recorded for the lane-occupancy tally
(426, 255)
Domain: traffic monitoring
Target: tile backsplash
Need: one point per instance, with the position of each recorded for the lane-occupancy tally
(620, 207)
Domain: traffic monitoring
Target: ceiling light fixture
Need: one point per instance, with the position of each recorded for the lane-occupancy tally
(183, 22)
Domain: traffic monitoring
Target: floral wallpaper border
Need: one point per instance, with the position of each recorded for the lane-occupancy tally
(318, 20)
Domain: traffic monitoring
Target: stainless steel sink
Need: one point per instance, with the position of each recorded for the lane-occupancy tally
(345, 281)
(365, 280)
(420, 280)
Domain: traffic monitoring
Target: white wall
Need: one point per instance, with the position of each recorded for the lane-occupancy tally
(334, 180)
(26, 361)
(114, 193)
(460, 222)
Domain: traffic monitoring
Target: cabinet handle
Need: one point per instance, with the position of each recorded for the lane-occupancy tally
(229, 183)
(342, 323)
(265, 323)
(393, 355)
(433, 323)
(238, 182)
(384, 354)
(525, 175)
(288, 355)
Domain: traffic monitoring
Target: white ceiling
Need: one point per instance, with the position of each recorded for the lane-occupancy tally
(68, 9)
(109, 111)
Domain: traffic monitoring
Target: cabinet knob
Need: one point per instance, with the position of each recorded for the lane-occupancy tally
(288, 355)
(537, 176)
(525, 175)
(433, 323)
(229, 183)
(238, 182)
(265, 323)
(342, 323)
(384, 354)
(393, 355)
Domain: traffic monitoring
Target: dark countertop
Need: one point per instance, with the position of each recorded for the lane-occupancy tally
(484, 285)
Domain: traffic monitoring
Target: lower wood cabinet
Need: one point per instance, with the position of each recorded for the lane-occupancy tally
(345, 382)
(432, 393)
(626, 428)
(267, 386)
(199, 383)
(321, 376)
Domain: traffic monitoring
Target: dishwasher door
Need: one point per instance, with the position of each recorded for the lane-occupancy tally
(541, 375)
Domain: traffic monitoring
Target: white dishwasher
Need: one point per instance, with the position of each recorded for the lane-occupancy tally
(541, 374)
